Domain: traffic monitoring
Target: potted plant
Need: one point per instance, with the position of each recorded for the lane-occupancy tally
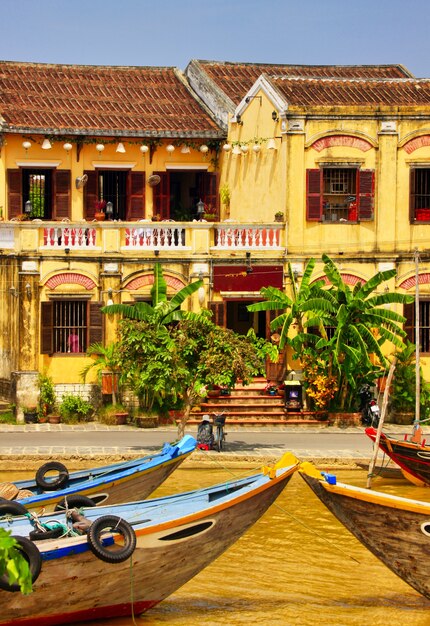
(113, 415)
(30, 414)
(106, 363)
(47, 397)
(100, 206)
(279, 216)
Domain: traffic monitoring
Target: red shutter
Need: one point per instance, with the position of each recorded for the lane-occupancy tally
(61, 194)
(14, 180)
(366, 194)
(409, 325)
(219, 313)
(46, 328)
(208, 191)
(161, 196)
(313, 195)
(412, 195)
(136, 196)
(90, 194)
(95, 334)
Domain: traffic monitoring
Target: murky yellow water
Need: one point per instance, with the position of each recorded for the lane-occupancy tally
(296, 567)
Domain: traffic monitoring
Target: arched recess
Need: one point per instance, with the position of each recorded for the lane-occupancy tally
(410, 282)
(348, 279)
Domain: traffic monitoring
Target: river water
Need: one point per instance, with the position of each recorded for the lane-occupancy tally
(297, 566)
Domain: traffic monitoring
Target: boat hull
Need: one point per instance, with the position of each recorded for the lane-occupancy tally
(75, 585)
(131, 480)
(412, 458)
(396, 530)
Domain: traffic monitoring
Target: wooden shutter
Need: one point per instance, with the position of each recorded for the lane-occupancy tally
(90, 194)
(61, 194)
(136, 196)
(95, 334)
(409, 325)
(219, 313)
(161, 196)
(313, 195)
(14, 180)
(366, 194)
(208, 191)
(46, 328)
(412, 188)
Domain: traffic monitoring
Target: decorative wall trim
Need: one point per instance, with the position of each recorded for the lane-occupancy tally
(341, 140)
(348, 279)
(144, 281)
(418, 142)
(408, 283)
(70, 277)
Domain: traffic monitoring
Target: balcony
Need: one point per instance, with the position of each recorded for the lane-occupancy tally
(145, 236)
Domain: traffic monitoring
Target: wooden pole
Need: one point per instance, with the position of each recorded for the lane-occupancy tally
(381, 423)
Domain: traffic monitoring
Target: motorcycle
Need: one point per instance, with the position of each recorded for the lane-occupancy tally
(369, 407)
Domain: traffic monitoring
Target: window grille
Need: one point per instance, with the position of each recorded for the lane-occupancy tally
(37, 187)
(421, 189)
(113, 188)
(70, 326)
(424, 331)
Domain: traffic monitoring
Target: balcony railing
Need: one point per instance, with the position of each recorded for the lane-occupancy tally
(140, 236)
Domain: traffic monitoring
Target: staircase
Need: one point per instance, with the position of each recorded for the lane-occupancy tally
(250, 406)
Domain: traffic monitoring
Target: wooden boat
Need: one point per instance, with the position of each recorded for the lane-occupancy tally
(120, 482)
(413, 457)
(383, 471)
(395, 529)
(153, 547)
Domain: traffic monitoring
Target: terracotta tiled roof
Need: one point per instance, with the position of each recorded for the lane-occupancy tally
(142, 101)
(355, 92)
(235, 79)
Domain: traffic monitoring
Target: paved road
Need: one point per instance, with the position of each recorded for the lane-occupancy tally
(95, 438)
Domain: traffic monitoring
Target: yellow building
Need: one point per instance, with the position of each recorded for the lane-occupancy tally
(191, 170)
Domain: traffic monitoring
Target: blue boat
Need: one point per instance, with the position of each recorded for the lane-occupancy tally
(54, 487)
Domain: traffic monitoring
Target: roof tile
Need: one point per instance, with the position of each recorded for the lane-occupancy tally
(97, 98)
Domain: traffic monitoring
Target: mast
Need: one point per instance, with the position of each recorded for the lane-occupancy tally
(417, 339)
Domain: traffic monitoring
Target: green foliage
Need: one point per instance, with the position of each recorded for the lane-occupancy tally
(403, 386)
(107, 414)
(74, 409)
(7, 418)
(162, 311)
(47, 397)
(359, 323)
(13, 564)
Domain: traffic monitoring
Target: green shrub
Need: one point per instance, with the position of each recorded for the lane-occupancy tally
(74, 409)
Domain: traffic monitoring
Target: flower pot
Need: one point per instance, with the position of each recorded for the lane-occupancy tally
(54, 419)
(121, 418)
(30, 417)
(100, 216)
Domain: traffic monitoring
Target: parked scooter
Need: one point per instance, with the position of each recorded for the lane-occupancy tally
(369, 407)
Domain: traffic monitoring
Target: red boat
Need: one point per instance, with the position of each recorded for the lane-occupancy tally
(411, 454)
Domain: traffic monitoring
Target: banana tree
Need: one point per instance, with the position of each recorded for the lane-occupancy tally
(161, 310)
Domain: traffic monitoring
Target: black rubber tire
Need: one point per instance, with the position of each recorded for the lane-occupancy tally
(56, 483)
(41, 535)
(111, 523)
(74, 502)
(9, 507)
(31, 553)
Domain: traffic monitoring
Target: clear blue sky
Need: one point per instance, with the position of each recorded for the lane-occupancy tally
(172, 32)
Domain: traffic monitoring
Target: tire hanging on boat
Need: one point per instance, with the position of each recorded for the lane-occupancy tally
(41, 535)
(32, 555)
(55, 483)
(9, 507)
(74, 502)
(111, 524)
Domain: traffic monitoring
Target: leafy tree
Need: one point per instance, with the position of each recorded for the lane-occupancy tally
(166, 363)
(13, 563)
